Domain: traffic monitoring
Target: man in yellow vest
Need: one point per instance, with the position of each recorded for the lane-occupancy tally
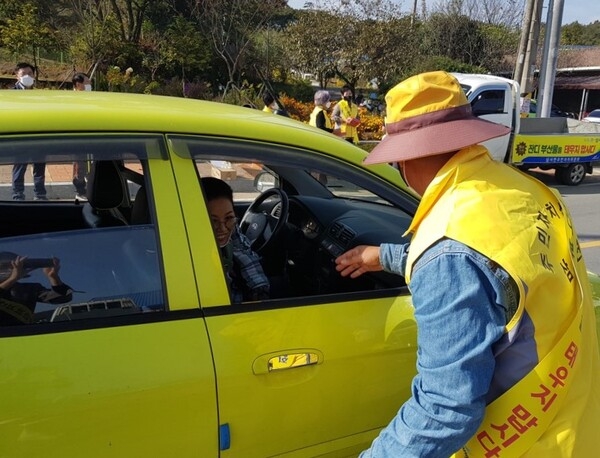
(508, 362)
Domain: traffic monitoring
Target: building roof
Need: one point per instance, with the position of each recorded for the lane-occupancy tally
(573, 81)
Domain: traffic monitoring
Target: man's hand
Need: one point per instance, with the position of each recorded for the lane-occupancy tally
(359, 260)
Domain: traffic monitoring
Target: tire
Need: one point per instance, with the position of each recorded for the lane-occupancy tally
(571, 175)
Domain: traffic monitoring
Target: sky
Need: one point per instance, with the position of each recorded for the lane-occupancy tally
(583, 11)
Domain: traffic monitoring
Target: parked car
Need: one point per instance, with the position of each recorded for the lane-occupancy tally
(150, 357)
(593, 116)
(555, 112)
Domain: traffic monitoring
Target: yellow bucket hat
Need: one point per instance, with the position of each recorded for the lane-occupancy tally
(429, 114)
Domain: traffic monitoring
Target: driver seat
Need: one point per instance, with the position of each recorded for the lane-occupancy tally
(105, 193)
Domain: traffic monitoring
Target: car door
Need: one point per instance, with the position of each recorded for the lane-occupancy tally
(121, 364)
(298, 376)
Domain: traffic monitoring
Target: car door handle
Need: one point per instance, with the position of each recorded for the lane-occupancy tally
(288, 359)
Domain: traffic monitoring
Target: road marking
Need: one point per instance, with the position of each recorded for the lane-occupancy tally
(590, 244)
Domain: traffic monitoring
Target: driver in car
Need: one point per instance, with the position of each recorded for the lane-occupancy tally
(245, 276)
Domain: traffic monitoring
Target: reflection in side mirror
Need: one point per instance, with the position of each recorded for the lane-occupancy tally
(292, 360)
(264, 181)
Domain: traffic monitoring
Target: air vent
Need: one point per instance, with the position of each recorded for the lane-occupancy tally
(341, 233)
(277, 211)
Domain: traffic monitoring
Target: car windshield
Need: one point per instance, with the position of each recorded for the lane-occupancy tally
(594, 114)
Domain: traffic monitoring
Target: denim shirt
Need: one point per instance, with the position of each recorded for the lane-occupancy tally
(462, 303)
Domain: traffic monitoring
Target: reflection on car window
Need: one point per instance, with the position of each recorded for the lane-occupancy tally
(113, 271)
(94, 255)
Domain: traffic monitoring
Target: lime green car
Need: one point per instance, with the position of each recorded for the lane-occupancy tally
(146, 354)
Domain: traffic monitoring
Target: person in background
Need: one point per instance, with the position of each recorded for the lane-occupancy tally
(319, 117)
(345, 115)
(270, 103)
(245, 276)
(81, 82)
(507, 361)
(25, 74)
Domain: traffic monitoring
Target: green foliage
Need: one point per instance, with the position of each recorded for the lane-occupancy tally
(246, 93)
(25, 33)
(118, 80)
(472, 43)
(296, 88)
(204, 49)
(582, 35)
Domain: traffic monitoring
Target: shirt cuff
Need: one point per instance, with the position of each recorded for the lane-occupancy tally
(392, 257)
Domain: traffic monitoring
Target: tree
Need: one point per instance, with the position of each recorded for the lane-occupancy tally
(312, 43)
(231, 25)
(26, 33)
(130, 15)
(358, 41)
(582, 35)
(475, 43)
(93, 33)
(498, 12)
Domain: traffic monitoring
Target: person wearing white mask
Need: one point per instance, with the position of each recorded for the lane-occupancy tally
(81, 82)
(319, 118)
(25, 74)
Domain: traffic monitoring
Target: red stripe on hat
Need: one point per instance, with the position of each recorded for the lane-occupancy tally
(428, 119)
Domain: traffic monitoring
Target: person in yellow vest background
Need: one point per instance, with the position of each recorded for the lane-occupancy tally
(507, 361)
(319, 117)
(345, 116)
(270, 103)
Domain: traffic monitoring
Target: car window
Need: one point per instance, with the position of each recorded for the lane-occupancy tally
(69, 259)
(488, 102)
(329, 207)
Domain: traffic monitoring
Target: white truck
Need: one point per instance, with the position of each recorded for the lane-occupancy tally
(568, 146)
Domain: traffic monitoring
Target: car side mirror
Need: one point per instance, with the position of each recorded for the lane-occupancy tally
(264, 181)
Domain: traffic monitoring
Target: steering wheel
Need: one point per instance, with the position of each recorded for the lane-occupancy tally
(261, 227)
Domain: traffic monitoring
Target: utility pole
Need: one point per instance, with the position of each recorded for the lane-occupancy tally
(525, 33)
(528, 45)
(550, 58)
(532, 48)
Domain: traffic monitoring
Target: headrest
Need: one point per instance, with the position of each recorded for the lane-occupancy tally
(105, 185)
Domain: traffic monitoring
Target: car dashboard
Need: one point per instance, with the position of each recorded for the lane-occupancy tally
(321, 229)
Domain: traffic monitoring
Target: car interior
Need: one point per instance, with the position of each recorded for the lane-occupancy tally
(299, 226)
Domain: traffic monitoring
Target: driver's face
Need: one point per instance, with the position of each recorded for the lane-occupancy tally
(222, 218)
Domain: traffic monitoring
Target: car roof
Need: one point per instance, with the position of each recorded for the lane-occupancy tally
(53, 111)
(110, 111)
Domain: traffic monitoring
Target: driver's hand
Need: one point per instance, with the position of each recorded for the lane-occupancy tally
(358, 260)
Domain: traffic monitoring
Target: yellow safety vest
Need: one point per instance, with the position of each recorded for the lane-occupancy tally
(313, 118)
(348, 111)
(511, 218)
